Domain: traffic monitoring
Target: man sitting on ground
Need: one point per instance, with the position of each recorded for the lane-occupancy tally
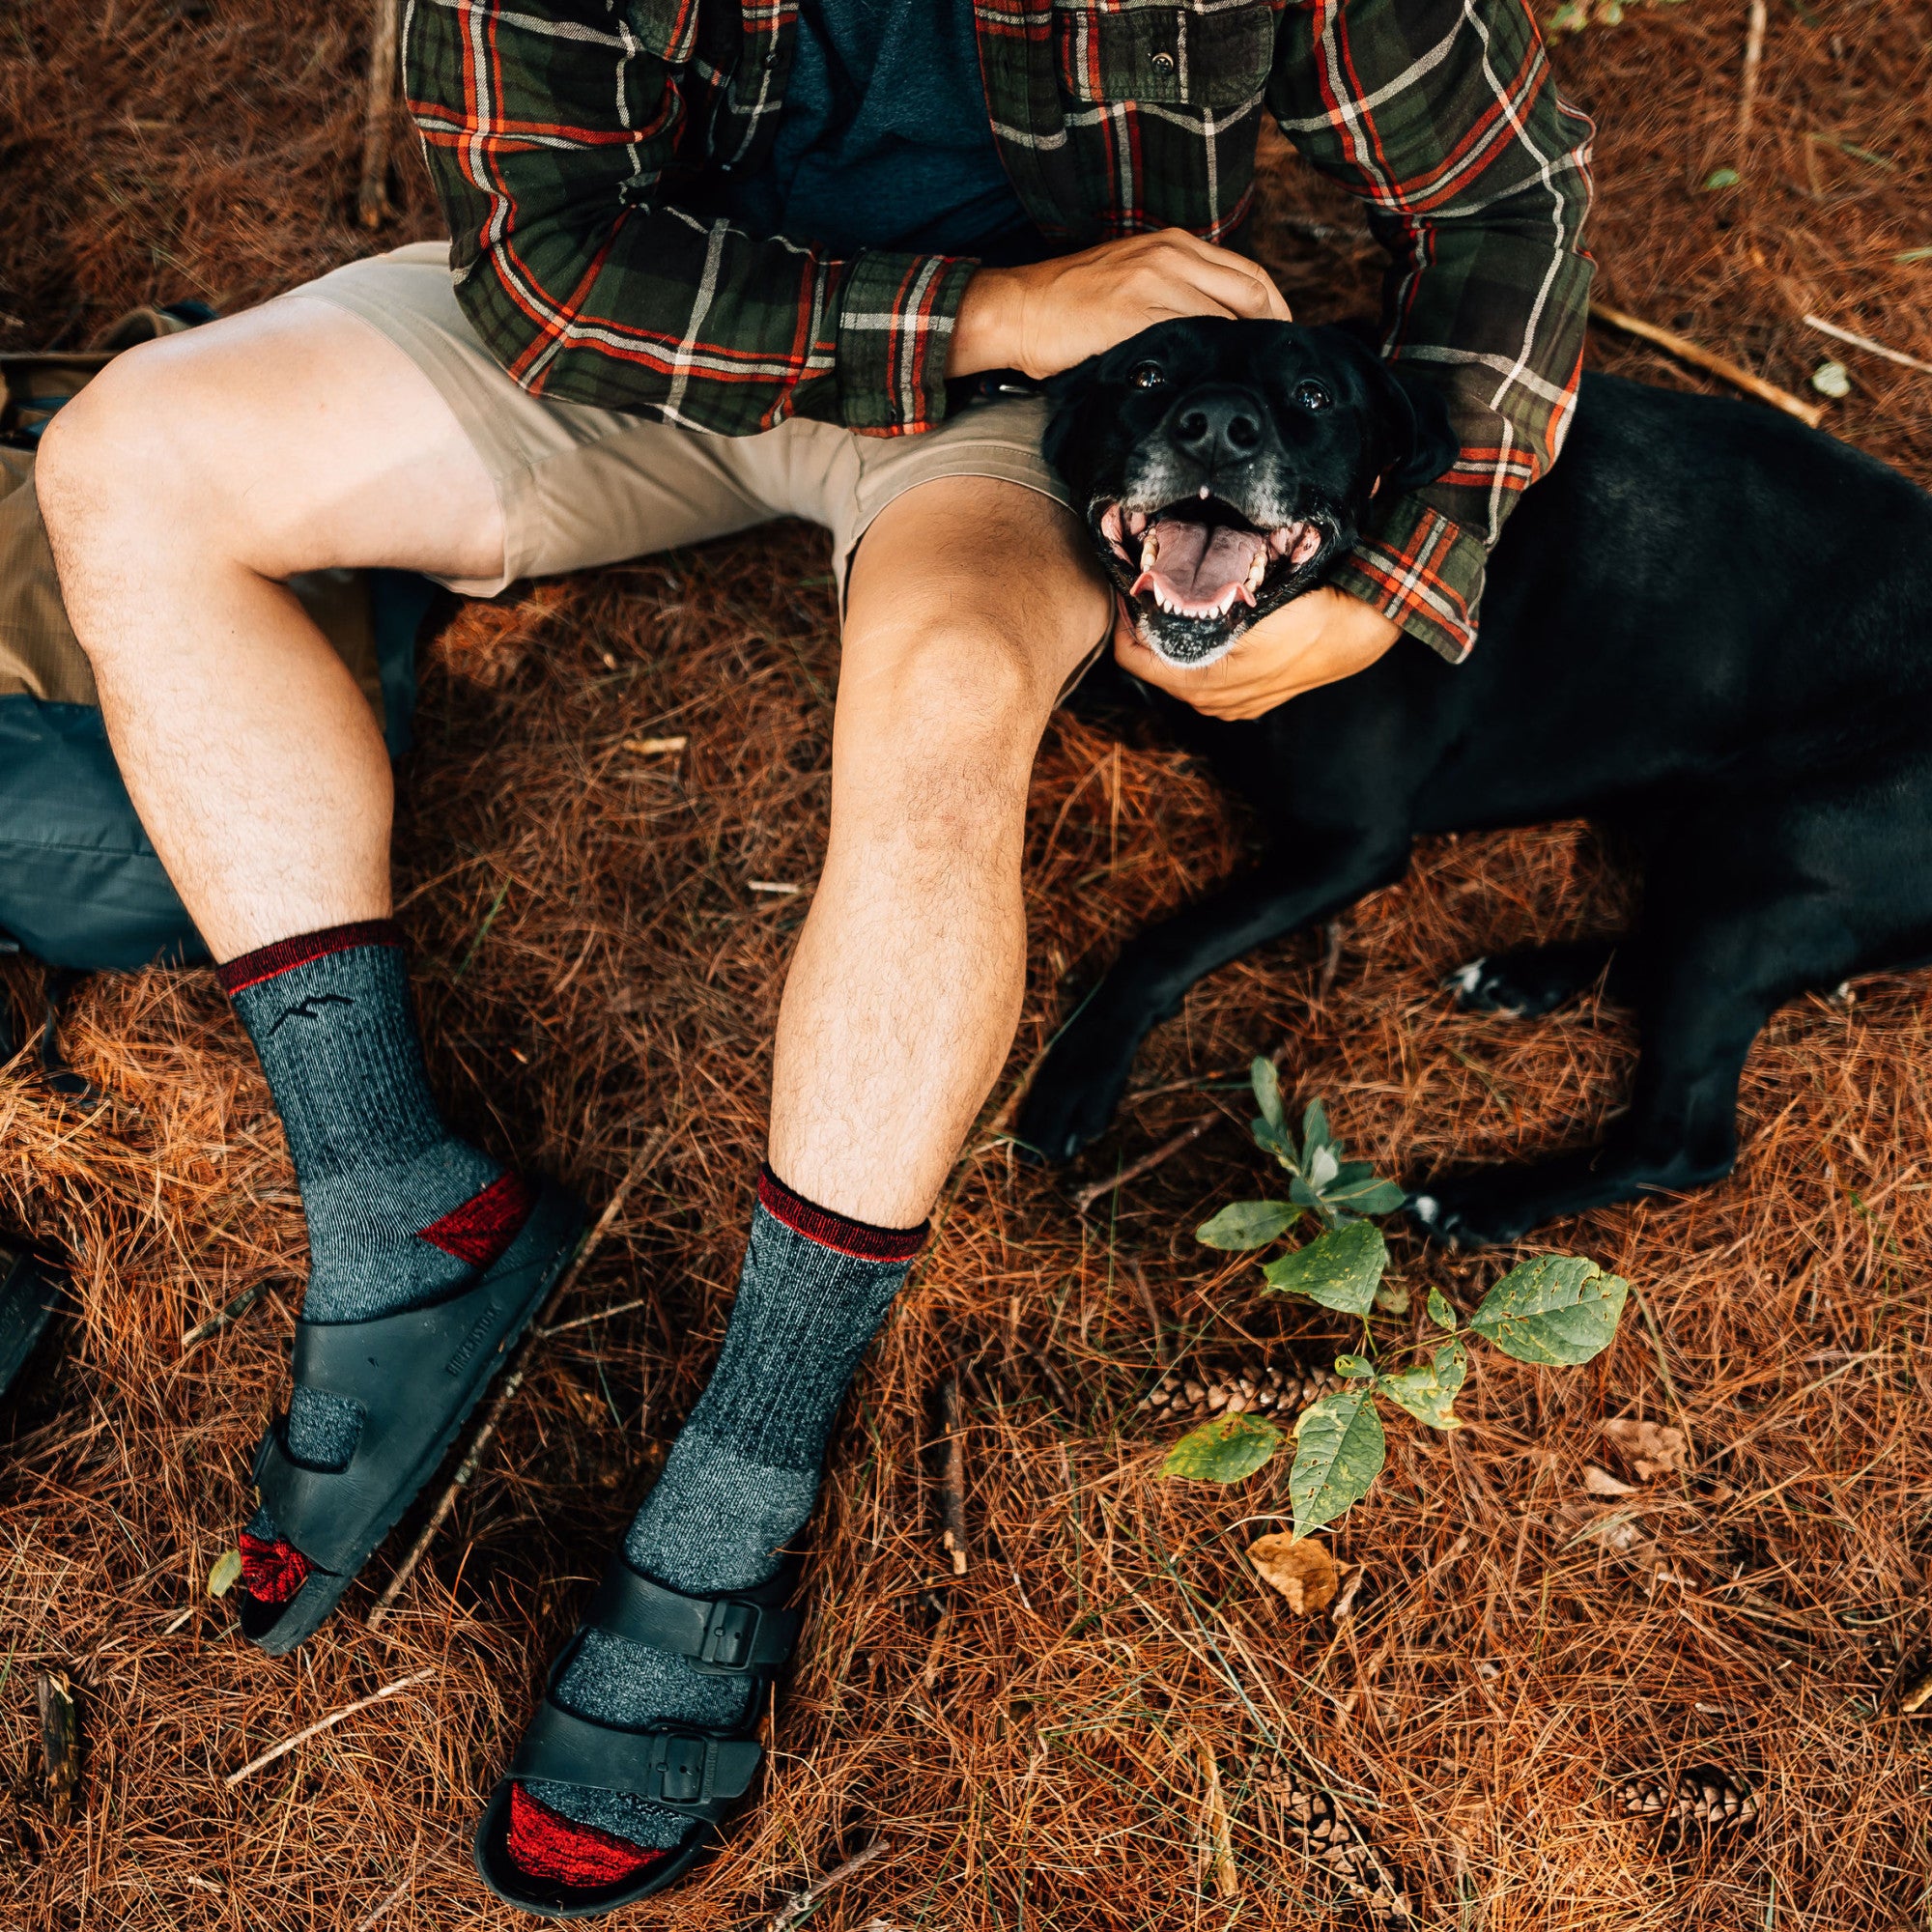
(714, 263)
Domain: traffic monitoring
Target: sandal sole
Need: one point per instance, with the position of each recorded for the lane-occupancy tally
(322, 1590)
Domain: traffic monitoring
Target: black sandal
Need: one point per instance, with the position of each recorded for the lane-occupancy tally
(29, 1295)
(700, 1773)
(416, 1376)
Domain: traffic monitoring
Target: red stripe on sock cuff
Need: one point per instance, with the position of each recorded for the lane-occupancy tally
(285, 955)
(857, 1239)
(543, 1845)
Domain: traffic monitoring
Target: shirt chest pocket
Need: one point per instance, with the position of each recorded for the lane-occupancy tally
(1201, 57)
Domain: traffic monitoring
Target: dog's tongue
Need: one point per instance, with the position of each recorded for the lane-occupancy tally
(1194, 563)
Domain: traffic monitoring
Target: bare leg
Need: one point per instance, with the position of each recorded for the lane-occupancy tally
(179, 488)
(971, 601)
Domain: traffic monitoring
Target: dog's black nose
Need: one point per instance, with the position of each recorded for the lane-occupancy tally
(1218, 425)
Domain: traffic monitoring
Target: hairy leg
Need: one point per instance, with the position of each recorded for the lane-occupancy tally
(971, 601)
(179, 489)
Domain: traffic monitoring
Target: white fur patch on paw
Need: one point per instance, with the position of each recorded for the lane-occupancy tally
(1467, 979)
(1424, 1208)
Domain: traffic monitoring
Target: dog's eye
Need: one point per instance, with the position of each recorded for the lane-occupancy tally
(1149, 376)
(1311, 395)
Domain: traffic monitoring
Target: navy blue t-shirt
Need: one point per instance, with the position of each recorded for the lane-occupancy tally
(884, 140)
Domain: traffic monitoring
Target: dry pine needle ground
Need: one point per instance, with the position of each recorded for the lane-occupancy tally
(1037, 1735)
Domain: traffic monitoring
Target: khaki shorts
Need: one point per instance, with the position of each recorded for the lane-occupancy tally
(581, 487)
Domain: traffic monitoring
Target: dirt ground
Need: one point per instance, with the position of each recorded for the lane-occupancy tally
(599, 984)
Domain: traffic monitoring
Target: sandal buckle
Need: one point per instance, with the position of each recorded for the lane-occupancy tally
(730, 1634)
(682, 1766)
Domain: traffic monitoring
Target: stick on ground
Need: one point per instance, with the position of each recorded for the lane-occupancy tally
(1707, 360)
(1866, 342)
(60, 1743)
(326, 1723)
(952, 1477)
(1758, 19)
(800, 1903)
(1147, 1162)
(379, 111)
(510, 1385)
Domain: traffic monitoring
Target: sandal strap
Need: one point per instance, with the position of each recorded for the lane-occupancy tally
(735, 1633)
(408, 1373)
(694, 1773)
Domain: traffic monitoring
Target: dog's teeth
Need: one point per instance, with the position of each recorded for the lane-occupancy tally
(1256, 572)
(1150, 550)
(1204, 493)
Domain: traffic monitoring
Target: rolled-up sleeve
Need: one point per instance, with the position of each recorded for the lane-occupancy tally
(551, 131)
(1444, 117)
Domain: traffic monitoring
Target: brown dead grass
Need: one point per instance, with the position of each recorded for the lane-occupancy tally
(1033, 1735)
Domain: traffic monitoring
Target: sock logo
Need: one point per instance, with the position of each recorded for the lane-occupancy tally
(309, 1008)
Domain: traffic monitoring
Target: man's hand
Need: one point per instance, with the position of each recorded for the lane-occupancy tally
(1045, 318)
(1314, 640)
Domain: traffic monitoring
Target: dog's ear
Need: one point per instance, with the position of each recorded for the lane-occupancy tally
(1065, 392)
(1422, 444)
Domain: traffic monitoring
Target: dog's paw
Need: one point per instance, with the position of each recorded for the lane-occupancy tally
(1533, 981)
(1071, 1101)
(1483, 1209)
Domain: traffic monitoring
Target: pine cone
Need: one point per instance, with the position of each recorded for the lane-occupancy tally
(1328, 1838)
(1703, 1805)
(1251, 1382)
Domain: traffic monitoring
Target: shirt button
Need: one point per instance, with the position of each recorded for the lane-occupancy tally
(1161, 61)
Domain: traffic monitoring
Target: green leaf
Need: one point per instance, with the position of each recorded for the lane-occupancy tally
(1365, 1196)
(1440, 1312)
(1427, 1392)
(1247, 1224)
(1226, 1450)
(1315, 1130)
(1339, 1448)
(224, 1572)
(1339, 1270)
(1558, 1309)
(1723, 178)
(1266, 1083)
(1277, 1141)
(1350, 1367)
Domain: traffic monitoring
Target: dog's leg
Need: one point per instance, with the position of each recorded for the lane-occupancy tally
(1709, 986)
(1535, 979)
(1080, 1083)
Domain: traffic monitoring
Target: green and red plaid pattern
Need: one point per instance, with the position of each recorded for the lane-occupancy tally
(584, 151)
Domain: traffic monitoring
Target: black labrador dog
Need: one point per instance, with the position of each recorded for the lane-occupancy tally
(1708, 628)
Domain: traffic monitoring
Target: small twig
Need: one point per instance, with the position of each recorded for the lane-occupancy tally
(511, 1382)
(655, 748)
(60, 1743)
(395, 1895)
(379, 108)
(1866, 342)
(800, 1903)
(1221, 1836)
(1147, 1162)
(1138, 1275)
(952, 1477)
(1712, 363)
(1331, 960)
(328, 1723)
(1753, 55)
(595, 1315)
(234, 1312)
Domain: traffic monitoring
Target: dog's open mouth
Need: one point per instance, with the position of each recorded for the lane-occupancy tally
(1198, 557)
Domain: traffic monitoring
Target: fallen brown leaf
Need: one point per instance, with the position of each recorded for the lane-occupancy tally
(1600, 1483)
(1304, 1572)
(1649, 1449)
(1353, 1576)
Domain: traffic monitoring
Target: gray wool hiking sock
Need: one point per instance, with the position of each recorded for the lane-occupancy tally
(741, 1476)
(400, 1212)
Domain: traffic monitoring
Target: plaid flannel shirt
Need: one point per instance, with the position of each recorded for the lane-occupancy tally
(584, 149)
